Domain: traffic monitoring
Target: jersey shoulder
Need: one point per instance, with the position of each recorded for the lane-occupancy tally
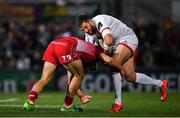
(101, 21)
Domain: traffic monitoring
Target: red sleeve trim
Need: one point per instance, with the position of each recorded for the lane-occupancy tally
(104, 29)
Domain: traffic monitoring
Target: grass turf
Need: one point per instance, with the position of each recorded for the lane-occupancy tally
(135, 104)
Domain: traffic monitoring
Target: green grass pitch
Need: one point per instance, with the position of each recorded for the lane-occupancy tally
(135, 104)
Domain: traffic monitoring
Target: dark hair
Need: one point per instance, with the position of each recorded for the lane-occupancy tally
(81, 18)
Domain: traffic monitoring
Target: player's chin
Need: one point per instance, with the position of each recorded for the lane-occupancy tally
(90, 33)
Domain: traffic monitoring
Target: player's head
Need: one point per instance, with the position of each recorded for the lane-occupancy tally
(85, 24)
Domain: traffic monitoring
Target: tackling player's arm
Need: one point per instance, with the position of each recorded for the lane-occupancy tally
(107, 58)
(108, 38)
(110, 60)
(104, 29)
(106, 35)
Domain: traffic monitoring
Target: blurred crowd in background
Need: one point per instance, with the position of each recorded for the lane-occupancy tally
(22, 44)
(159, 43)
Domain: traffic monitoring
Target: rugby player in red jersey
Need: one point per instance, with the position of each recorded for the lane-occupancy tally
(71, 52)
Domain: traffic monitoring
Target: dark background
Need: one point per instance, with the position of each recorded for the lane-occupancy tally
(27, 26)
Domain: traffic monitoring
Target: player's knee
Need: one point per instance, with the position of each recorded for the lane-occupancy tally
(81, 76)
(131, 77)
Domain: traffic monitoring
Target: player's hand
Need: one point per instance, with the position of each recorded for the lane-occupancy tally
(85, 99)
(98, 43)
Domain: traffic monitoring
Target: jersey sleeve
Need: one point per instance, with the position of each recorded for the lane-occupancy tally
(102, 25)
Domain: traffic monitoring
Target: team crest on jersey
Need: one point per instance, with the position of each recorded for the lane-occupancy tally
(99, 25)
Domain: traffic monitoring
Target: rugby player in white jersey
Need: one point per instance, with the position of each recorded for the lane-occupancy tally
(120, 41)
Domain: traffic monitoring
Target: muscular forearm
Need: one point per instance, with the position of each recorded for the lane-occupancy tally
(114, 63)
(110, 60)
(108, 39)
(107, 42)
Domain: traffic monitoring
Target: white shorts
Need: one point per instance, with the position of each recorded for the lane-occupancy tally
(130, 41)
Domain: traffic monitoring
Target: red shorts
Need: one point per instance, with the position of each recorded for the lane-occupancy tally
(61, 51)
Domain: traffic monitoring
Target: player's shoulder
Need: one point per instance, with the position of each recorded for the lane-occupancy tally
(102, 19)
(100, 16)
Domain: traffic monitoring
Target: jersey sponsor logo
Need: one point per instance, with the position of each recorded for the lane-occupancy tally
(66, 57)
(124, 41)
(99, 25)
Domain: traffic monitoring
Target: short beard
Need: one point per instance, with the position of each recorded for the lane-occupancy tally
(94, 30)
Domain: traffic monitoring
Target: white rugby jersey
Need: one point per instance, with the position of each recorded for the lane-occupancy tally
(117, 28)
